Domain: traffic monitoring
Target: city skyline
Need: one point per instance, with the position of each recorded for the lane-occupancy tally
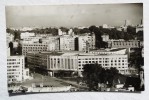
(73, 15)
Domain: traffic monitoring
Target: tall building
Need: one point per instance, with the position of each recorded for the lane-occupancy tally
(67, 43)
(86, 42)
(16, 71)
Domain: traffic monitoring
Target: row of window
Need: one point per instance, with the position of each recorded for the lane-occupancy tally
(12, 76)
(11, 59)
(34, 45)
(13, 73)
(119, 43)
(13, 63)
(12, 69)
(105, 64)
(13, 66)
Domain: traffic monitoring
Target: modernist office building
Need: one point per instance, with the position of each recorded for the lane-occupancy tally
(16, 71)
(33, 47)
(74, 61)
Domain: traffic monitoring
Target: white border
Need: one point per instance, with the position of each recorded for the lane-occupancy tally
(78, 95)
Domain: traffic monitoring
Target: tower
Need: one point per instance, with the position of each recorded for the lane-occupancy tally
(127, 22)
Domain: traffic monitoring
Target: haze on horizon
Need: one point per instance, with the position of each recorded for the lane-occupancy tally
(73, 15)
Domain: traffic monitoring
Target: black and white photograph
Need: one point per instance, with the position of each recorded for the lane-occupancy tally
(75, 48)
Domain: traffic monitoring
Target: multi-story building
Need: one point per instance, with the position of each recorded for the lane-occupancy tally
(26, 35)
(53, 46)
(118, 51)
(86, 42)
(124, 44)
(120, 62)
(16, 71)
(74, 61)
(33, 47)
(67, 43)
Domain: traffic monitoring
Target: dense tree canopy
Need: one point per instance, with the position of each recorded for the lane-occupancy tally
(136, 58)
(94, 74)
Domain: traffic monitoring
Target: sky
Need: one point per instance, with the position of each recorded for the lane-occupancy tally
(73, 15)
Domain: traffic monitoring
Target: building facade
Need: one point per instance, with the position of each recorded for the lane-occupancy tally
(16, 71)
(124, 44)
(33, 47)
(86, 42)
(67, 43)
(74, 61)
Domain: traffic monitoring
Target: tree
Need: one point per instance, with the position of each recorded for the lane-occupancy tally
(91, 74)
(98, 33)
(140, 35)
(136, 58)
(94, 74)
(16, 35)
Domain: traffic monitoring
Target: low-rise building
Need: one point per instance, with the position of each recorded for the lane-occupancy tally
(124, 44)
(110, 51)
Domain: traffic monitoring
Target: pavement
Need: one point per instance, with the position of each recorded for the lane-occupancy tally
(46, 80)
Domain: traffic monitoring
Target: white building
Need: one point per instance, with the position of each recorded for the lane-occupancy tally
(74, 61)
(86, 42)
(15, 44)
(60, 32)
(10, 38)
(8, 51)
(70, 32)
(67, 43)
(120, 62)
(33, 47)
(105, 26)
(16, 71)
(53, 46)
(26, 34)
(119, 51)
(105, 37)
(139, 28)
